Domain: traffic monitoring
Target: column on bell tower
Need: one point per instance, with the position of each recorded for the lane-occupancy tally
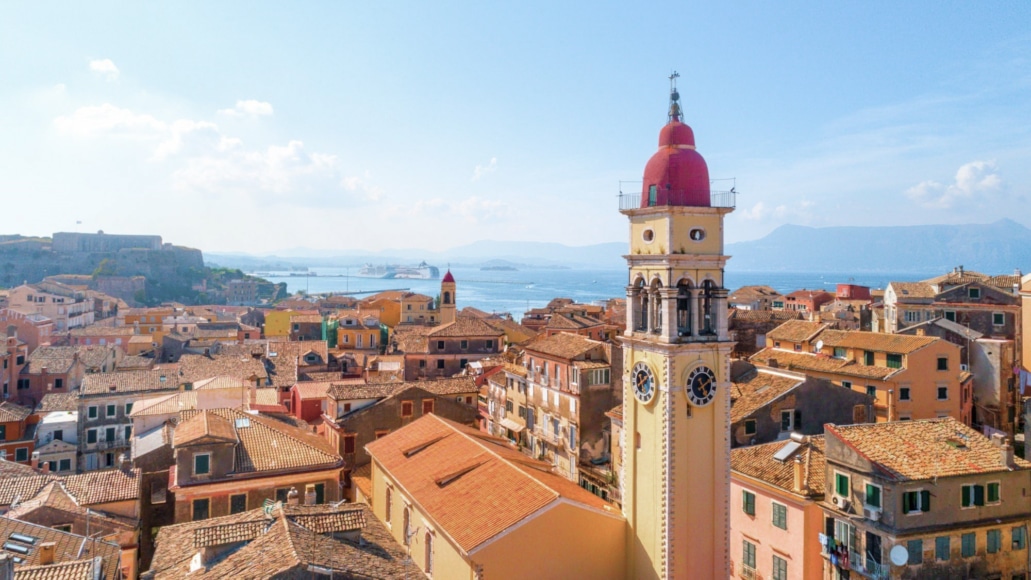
(669, 310)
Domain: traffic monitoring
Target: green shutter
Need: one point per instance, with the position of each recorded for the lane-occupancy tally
(966, 496)
(993, 492)
(978, 495)
(925, 500)
(906, 498)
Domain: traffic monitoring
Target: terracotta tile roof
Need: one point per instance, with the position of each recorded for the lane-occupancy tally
(795, 331)
(757, 462)
(9, 412)
(563, 345)
(758, 389)
(361, 478)
(95, 330)
(876, 341)
(68, 549)
(292, 540)
(55, 497)
(265, 444)
(925, 449)
(450, 386)
(799, 361)
(615, 412)
(343, 391)
(751, 293)
(764, 315)
(312, 390)
(514, 332)
(453, 473)
(196, 367)
(135, 362)
(172, 404)
(129, 382)
(518, 370)
(204, 428)
(412, 338)
(912, 290)
(100, 487)
(572, 321)
(12, 469)
(463, 327)
(22, 487)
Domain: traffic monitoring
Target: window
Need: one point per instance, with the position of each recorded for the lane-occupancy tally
(406, 525)
(798, 347)
(846, 384)
(349, 443)
(842, 485)
(840, 352)
(941, 548)
(993, 492)
(873, 495)
(1019, 539)
(994, 541)
(464, 344)
(998, 319)
(128, 408)
(969, 545)
(750, 427)
(429, 553)
(201, 509)
(894, 361)
(127, 432)
(916, 501)
(3, 432)
(91, 436)
(943, 363)
(237, 503)
(91, 412)
(748, 554)
(21, 454)
(904, 394)
(202, 464)
(780, 568)
(58, 383)
(780, 515)
(572, 439)
(786, 417)
(871, 391)
(463, 362)
(974, 292)
(950, 315)
(943, 393)
(490, 345)
(111, 411)
(440, 363)
(972, 495)
(65, 465)
(427, 406)
(748, 502)
(109, 434)
(916, 551)
(440, 345)
(158, 491)
(868, 358)
(509, 405)
(422, 364)
(406, 408)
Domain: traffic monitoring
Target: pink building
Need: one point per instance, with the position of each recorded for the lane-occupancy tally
(775, 518)
(33, 329)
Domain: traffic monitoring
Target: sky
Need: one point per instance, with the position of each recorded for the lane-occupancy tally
(262, 127)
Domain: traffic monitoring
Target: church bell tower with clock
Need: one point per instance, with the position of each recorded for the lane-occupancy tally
(676, 348)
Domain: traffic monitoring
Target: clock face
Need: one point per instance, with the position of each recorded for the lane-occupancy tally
(644, 382)
(701, 386)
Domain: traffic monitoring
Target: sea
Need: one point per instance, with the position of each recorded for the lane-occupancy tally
(516, 291)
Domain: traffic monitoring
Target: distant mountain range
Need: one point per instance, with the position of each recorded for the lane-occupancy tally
(996, 248)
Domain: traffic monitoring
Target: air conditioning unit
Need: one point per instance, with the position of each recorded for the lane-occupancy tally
(842, 503)
(874, 515)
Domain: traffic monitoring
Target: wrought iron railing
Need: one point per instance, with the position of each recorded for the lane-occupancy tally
(716, 199)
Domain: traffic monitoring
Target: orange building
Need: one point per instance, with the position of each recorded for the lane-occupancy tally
(910, 377)
(17, 432)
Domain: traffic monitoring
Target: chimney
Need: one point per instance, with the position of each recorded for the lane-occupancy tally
(799, 483)
(921, 332)
(252, 391)
(6, 566)
(892, 406)
(46, 467)
(124, 463)
(1007, 455)
(292, 497)
(309, 495)
(34, 460)
(46, 553)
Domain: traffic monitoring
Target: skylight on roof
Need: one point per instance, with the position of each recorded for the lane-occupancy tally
(18, 548)
(23, 538)
(242, 422)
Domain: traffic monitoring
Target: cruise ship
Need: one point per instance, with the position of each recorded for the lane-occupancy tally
(421, 272)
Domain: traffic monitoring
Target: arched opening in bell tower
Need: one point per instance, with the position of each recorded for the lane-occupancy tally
(655, 302)
(684, 308)
(708, 303)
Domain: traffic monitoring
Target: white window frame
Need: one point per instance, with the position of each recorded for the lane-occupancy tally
(987, 483)
(923, 509)
(878, 486)
(791, 419)
(1003, 315)
(835, 487)
(92, 412)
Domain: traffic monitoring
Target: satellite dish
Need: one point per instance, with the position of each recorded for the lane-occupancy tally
(899, 555)
(819, 345)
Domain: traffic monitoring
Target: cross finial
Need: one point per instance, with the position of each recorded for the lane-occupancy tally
(674, 97)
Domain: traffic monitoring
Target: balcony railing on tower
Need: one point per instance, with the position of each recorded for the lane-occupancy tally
(717, 198)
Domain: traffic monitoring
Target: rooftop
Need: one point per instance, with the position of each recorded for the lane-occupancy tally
(759, 462)
(129, 382)
(73, 555)
(563, 345)
(757, 389)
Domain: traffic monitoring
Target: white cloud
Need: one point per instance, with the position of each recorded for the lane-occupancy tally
(248, 108)
(760, 211)
(108, 119)
(482, 170)
(105, 68)
(473, 209)
(973, 180)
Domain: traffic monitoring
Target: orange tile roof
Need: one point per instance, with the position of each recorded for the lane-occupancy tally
(904, 290)
(463, 327)
(9, 412)
(74, 557)
(925, 449)
(154, 380)
(799, 361)
(563, 345)
(795, 331)
(757, 389)
(204, 427)
(313, 390)
(757, 462)
(876, 341)
(472, 485)
(100, 487)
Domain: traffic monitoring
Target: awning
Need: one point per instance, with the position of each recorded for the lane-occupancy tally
(512, 425)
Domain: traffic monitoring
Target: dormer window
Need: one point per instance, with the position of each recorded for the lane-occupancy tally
(202, 464)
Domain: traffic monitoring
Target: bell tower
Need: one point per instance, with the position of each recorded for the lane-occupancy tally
(448, 305)
(676, 348)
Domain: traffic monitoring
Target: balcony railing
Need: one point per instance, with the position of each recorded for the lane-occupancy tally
(716, 199)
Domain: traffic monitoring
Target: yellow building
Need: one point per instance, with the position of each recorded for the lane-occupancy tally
(468, 506)
(676, 351)
(278, 322)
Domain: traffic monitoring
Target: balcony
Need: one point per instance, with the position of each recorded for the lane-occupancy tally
(749, 573)
(725, 199)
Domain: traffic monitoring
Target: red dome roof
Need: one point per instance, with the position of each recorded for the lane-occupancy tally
(448, 277)
(677, 171)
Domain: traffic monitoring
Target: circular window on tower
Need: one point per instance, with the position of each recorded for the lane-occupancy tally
(697, 234)
(648, 235)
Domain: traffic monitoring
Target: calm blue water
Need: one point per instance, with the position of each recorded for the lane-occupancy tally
(515, 292)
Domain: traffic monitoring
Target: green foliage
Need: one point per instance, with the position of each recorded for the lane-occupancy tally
(107, 267)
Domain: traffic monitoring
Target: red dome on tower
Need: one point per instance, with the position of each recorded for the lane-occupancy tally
(448, 277)
(676, 174)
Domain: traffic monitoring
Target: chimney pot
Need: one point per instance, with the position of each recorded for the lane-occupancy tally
(292, 497)
(1007, 455)
(799, 483)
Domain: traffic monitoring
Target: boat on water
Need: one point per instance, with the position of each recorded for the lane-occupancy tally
(393, 271)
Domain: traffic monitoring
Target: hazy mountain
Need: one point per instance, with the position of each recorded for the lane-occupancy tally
(995, 248)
